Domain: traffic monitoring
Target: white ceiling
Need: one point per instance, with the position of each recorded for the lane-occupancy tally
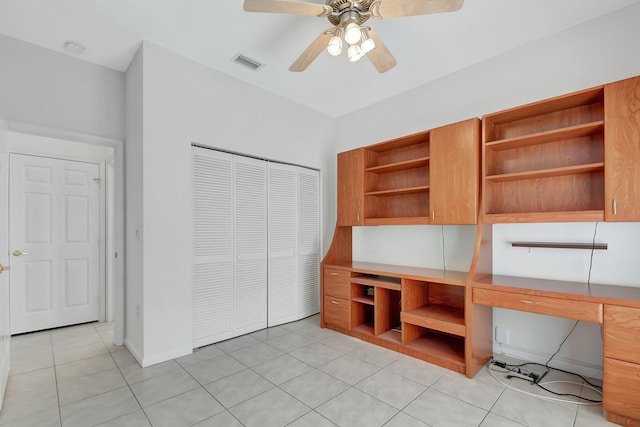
(212, 32)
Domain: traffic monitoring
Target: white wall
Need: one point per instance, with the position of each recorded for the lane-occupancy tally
(5, 318)
(594, 53)
(428, 244)
(184, 102)
(51, 94)
(46, 88)
(133, 195)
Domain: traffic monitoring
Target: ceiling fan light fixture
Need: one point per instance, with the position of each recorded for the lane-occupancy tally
(354, 53)
(352, 33)
(335, 46)
(367, 44)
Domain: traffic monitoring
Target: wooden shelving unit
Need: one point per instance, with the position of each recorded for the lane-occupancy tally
(415, 179)
(546, 158)
(418, 311)
(570, 158)
(396, 180)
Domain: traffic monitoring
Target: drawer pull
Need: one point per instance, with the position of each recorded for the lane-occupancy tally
(528, 301)
(334, 274)
(335, 302)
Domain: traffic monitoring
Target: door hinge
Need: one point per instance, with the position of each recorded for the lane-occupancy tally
(98, 181)
(99, 300)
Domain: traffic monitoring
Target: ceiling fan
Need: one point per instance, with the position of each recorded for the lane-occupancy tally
(348, 18)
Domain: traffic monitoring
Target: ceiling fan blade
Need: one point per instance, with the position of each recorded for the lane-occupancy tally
(311, 52)
(380, 57)
(388, 9)
(296, 8)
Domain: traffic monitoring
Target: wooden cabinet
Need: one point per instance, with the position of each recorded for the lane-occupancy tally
(336, 308)
(455, 173)
(570, 158)
(351, 188)
(621, 368)
(416, 311)
(430, 177)
(621, 382)
(622, 150)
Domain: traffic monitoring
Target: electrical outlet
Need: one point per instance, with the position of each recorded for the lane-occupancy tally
(502, 335)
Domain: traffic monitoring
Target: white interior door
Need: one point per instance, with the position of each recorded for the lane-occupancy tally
(213, 240)
(54, 242)
(283, 243)
(309, 242)
(250, 238)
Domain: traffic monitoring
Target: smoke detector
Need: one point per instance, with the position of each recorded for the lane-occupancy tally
(76, 48)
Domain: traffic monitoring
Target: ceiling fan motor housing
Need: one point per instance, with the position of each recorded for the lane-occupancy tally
(349, 10)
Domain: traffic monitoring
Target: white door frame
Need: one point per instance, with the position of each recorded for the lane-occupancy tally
(114, 173)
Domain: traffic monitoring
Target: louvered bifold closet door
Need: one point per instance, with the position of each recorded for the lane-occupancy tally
(283, 243)
(213, 246)
(250, 212)
(308, 242)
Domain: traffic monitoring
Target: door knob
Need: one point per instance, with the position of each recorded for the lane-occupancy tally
(3, 268)
(18, 252)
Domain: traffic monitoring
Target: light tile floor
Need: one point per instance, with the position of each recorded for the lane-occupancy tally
(292, 375)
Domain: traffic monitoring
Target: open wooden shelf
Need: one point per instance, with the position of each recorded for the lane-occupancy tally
(438, 317)
(417, 220)
(392, 283)
(393, 336)
(547, 173)
(399, 191)
(545, 157)
(364, 328)
(363, 300)
(563, 111)
(571, 132)
(558, 245)
(442, 347)
(529, 217)
(394, 167)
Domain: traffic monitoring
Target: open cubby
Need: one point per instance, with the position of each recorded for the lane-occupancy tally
(436, 306)
(396, 182)
(362, 293)
(362, 317)
(546, 158)
(387, 310)
(435, 345)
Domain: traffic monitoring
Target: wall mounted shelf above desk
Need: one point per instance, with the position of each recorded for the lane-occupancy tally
(589, 246)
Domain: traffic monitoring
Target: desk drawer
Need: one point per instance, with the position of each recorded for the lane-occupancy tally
(337, 312)
(569, 309)
(621, 333)
(621, 382)
(337, 283)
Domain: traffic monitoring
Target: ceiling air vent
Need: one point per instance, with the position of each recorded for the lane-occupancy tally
(251, 64)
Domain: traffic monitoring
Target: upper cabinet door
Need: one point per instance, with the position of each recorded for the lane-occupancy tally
(622, 150)
(351, 188)
(455, 173)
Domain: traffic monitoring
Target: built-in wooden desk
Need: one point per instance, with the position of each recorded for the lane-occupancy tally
(617, 308)
(422, 312)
